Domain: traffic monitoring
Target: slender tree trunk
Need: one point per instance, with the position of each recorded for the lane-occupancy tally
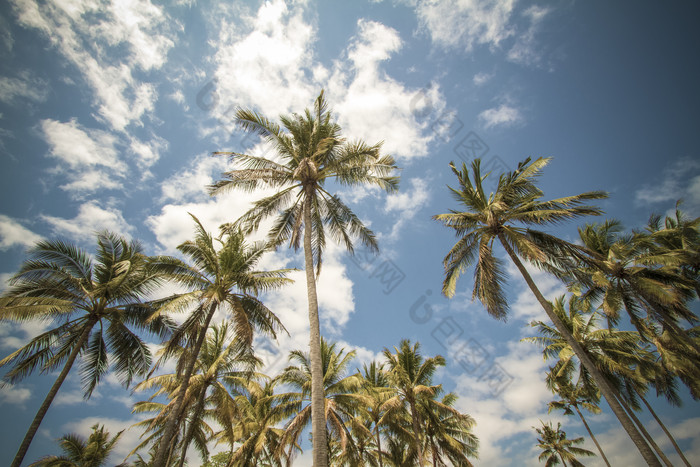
(646, 434)
(190, 428)
(379, 446)
(590, 433)
(22, 451)
(318, 412)
(585, 360)
(171, 426)
(562, 460)
(416, 431)
(663, 427)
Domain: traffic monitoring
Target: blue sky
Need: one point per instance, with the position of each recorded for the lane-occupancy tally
(109, 112)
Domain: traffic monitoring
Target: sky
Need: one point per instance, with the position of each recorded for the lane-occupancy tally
(110, 110)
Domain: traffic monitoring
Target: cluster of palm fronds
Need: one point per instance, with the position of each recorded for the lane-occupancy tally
(387, 414)
(650, 275)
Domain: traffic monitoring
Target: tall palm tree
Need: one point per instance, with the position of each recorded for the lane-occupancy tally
(255, 430)
(309, 152)
(95, 304)
(573, 397)
(79, 452)
(411, 376)
(221, 359)
(377, 390)
(616, 354)
(448, 432)
(556, 446)
(505, 215)
(630, 272)
(341, 396)
(218, 278)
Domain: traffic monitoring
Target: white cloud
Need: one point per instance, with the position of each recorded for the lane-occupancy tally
(407, 204)
(191, 183)
(88, 157)
(91, 218)
(525, 49)
(11, 394)
(373, 106)
(84, 40)
(482, 78)
(526, 307)
(25, 86)
(466, 23)
(12, 233)
(268, 66)
(503, 115)
(679, 180)
(519, 407)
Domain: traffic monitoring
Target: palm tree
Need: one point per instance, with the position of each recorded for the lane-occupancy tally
(448, 432)
(616, 354)
(221, 278)
(309, 152)
(573, 397)
(221, 359)
(555, 446)
(410, 374)
(630, 272)
(341, 391)
(376, 388)
(79, 452)
(96, 306)
(255, 429)
(495, 216)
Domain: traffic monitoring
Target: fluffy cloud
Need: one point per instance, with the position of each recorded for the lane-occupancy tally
(407, 204)
(466, 23)
(14, 395)
(138, 26)
(91, 218)
(12, 233)
(503, 115)
(87, 157)
(373, 106)
(269, 65)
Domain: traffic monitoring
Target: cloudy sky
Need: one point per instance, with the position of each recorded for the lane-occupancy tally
(109, 111)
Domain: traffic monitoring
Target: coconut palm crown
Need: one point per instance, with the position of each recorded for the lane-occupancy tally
(506, 215)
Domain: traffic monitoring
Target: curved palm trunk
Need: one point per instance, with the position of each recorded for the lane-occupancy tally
(646, 434)
(171, 426)
(318, 415)
(416, 431)
(590, 433)
(663, 427)
(22, 451)
(598, 377)
(190, 428)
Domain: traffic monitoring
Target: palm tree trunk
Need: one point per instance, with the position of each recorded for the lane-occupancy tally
(171, 426)
(416, 431)
(190, 428)
(645, 433)
(562, 460)
(22, 451)
(663, 427)
(318, 415)
(583, 357)
(379, 446)
(590, 433)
